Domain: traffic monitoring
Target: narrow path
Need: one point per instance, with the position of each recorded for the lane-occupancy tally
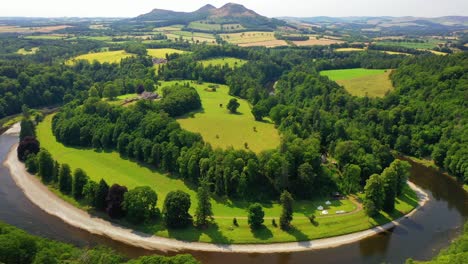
(50, 203)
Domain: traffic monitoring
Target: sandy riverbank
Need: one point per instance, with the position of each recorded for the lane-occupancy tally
(40, 195)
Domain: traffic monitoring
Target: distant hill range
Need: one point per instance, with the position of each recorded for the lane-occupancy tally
(228, 14)
(389, 24)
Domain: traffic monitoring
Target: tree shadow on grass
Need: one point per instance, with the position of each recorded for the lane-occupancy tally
(299, 235)
(262, 232)
(214, 232)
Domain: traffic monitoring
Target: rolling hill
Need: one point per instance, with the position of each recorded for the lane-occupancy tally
(228, 14)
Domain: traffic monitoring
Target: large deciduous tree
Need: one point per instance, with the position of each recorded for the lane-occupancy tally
(45, 165)
(233, 105)
(255, 216)
(65, 179)
(374, 195)
(101, 195)
(29, 145)
(140, 204)
(79, 181)
(176, 207)
(115, 199)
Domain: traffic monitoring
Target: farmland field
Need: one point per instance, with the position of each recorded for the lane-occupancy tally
(102, 57)
(232, 62)
(216, 124)
(321, 41)
(204, 26)
(432, 43)
(348, 49)
(362, 82)
(248, 37)
(23, 51)
(111, 167)
(161, 53)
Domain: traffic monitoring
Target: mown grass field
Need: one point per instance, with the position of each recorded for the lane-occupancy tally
(23, 51)
(362, 82)
(223, 129)
(161, 53)
(232, 62)
(111, 167)
(102, 57)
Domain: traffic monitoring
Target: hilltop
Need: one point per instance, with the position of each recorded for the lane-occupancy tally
(227, 14)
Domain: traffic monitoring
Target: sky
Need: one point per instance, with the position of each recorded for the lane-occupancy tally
(270, 8)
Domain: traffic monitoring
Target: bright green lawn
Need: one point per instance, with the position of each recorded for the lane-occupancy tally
(362, 82)
(223, 129)
(102, 57)
(232, 62)
(161, 53)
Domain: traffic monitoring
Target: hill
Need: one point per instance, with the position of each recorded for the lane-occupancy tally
(227, 14)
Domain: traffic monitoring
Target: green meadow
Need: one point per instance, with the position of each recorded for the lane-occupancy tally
(102, 57)
(231, 62)
(161, 53)
(223, 129)
(362, 82)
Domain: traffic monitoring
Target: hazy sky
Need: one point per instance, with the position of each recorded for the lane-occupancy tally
(271, 8)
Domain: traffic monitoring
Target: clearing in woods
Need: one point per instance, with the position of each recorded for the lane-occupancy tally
(362, 82)
(161, 53)
(230, 61)
(223, 129)
(102, 57)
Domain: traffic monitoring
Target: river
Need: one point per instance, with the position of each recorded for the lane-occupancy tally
(420, 236)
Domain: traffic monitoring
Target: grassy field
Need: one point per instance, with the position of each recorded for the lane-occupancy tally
(191, 37)
(232, 62)
(114, 169)
(222, 129)
(248, 37)
(362, 82)
(431, 43)
(161, 53)
(23, 51)
(102, 57)
(348, 49)
(204, 26)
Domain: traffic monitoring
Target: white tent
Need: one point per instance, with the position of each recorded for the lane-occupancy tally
(327, 202)
(320, 208)
(324, 212)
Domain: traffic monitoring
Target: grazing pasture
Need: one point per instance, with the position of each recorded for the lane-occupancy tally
(362, 82)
